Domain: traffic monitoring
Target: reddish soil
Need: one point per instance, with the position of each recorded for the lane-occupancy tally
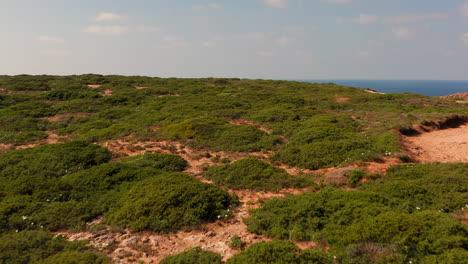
(52, 138)
(94, 86)
(463, 97)
(380, 167)
(107, 92)
(447, 145)
(243, 122)
(342, 99)
(67, 116)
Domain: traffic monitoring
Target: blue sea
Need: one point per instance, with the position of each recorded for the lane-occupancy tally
(425, 87)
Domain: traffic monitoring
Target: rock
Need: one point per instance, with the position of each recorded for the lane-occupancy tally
(120, 252)
(210, 234)
(131, 241)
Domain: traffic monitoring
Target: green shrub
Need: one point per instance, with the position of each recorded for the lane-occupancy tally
(220, 135)
(193, 256)
(75, 257)
(280, 252)
(405, 158)
(253, 174)
(355, 177)
(65, 95)
(403, 215)
(164, 162)
(236, 242)
(168, 202)
(37, 246)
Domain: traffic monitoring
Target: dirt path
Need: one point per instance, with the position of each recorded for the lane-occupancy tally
(447, 145)
(243, 122)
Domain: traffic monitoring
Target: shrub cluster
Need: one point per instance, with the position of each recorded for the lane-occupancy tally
(45, 248)
(254, 174)
(404, 214)
(219, 135)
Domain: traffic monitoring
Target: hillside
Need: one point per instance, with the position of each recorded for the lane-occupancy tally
(115, 169)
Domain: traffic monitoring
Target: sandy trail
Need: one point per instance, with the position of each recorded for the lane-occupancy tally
(447, 145)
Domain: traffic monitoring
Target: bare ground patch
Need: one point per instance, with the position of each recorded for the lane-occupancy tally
(342, 99)
(447, 145)
(244, 122)
(67, 116)
(52, 138)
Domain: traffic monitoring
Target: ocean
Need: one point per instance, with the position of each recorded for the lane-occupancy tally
(425, 87)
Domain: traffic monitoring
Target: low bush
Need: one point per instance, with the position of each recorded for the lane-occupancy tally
(220, 135)
(194, 256)
(254, 174)
(164, 162)
(236, 243)
(168, 202)
(279, 252)
(402, 216)
(42, 247)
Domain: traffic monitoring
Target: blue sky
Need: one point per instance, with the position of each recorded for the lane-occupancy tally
(273, 39)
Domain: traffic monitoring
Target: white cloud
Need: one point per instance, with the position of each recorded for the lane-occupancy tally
(56, 53)
(106, 30)
(299, 29)
(171, 41)
(363, 54)
(105, 16)
(208, 6)
(276, 3)
(51, 39)
(464, 38)
(464, 9)
(259, 35)
(412, 18)
(361, 19)
(265, 54)
(402, 32)
(337, 1)
(214, 41)
(285, 41)
(147, 29)
(294, 29)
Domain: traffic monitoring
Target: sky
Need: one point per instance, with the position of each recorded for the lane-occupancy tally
(259, 39)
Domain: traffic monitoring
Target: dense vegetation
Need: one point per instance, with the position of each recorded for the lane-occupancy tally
(193, 256)
(321, 131)
(254, 174)
(279, 252)
(406, 216)
(169, 202)
(45, 248)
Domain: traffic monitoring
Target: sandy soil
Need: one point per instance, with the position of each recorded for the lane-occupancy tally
(52, 138)
(107, 92)
(448, 145)
(342, 99)
(94, 86)
(372, 91)
(244, 122)
(67, 115)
